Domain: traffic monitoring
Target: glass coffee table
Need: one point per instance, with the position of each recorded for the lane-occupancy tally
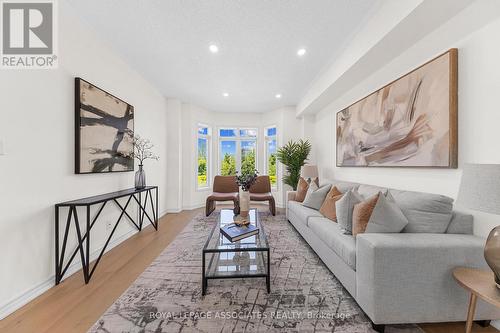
(246, 258)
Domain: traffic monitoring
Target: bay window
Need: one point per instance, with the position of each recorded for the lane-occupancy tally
(271, 146)
(203, 162)
(237, 150)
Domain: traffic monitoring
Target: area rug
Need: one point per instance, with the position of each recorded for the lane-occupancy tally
(305, 296)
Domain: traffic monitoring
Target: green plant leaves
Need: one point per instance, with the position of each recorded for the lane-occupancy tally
(246, 180)
(293, 155)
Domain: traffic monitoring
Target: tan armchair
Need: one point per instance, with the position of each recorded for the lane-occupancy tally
(225, 189)
(261, 191)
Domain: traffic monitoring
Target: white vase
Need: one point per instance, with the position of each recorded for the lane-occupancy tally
(244, 203)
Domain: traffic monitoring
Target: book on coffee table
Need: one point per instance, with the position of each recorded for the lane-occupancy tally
(234, 233)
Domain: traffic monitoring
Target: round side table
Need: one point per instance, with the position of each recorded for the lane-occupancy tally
(480, 284)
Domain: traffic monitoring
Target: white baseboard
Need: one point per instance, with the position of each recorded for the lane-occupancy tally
(195, 206)
(27, 296)
(186, 207)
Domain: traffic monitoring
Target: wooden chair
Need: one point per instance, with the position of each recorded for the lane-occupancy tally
(261, 191)
(224, 189)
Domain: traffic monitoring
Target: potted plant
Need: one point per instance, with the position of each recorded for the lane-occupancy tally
(245, 181)
(293, 155)
(143, 150)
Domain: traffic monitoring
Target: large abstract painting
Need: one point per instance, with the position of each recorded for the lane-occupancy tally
(411, 122)
(104, 131)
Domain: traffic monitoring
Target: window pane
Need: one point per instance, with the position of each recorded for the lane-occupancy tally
(271, 131)
(227, 132)
(271, 161)
(203, 130)
(247, 157)
(202, 161)
(249, 132)
(228, 158)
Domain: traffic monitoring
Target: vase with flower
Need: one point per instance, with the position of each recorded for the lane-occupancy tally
(143, 150)
(245, 181)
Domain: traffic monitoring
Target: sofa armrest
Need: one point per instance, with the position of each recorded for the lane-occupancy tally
(290, 196)
(407, 278)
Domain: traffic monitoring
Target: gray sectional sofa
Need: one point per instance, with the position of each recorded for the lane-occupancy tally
(404, 277)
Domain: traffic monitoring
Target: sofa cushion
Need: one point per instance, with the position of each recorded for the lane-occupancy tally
(341, 185)
(302, 213)
(426, 212)
(344, 186)
(368, 191)
(331, 234)
(460, 224)
(315, 196)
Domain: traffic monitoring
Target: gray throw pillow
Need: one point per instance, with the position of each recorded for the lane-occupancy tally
(386, 217)
(389, 196)
(344, 208)
(315, 196)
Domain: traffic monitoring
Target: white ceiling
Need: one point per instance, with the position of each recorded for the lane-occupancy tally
(167, 42)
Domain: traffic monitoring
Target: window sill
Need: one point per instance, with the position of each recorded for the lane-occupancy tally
(203, 189)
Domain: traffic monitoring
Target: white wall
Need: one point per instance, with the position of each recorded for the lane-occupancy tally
(174, 155)
(479, 115)
(288, 127)
(37, 124)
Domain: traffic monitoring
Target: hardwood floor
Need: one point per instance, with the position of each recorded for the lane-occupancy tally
(73, 307)
(454, 327)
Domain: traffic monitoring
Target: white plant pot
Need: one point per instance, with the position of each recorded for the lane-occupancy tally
(244, 203)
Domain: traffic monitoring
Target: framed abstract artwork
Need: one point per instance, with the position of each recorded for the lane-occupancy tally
(104, 131)
(411, 122)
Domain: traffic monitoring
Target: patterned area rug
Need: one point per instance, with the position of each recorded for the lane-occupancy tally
(305, 296)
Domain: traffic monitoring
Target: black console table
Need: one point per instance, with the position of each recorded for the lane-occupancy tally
(102, 199)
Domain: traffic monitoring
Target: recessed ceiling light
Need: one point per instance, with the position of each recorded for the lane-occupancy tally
(301, 52)
(278, 96)
(213, 48)
(225, 94)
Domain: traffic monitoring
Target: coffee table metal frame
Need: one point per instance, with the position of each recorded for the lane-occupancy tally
(258, 250)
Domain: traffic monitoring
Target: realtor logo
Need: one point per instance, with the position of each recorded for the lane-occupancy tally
(28, 38)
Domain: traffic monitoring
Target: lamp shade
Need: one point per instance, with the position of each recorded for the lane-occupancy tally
(480, 188)
(309, 171)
